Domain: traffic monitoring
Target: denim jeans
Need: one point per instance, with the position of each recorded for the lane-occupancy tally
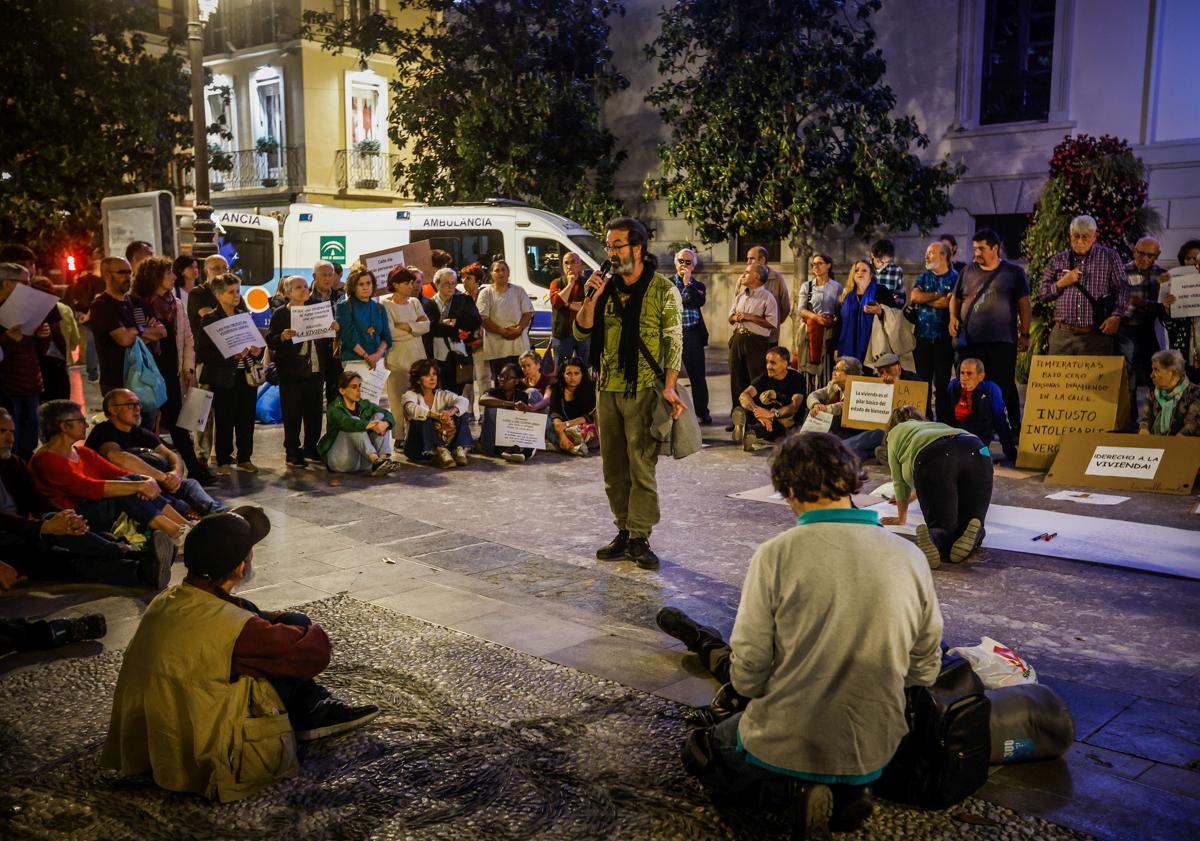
(351, 451)
(422, 439)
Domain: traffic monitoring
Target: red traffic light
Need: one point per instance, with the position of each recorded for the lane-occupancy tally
(71, 263)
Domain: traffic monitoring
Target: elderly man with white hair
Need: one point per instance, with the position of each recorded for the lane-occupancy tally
(695, 331)
(1088, 286)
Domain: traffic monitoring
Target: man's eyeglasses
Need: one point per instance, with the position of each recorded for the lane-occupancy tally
(77, 420)
(683, 262)
(1153, 255)
(616, 246)
(125, 406)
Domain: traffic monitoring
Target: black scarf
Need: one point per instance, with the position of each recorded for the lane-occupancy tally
(629, 350)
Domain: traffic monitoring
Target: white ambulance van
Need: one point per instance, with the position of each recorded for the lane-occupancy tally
(532, 241)
(248, 240)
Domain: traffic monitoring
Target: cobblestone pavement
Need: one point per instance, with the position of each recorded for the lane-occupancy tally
(505, 552)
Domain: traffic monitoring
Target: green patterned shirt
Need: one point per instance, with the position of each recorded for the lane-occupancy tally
(662, 330)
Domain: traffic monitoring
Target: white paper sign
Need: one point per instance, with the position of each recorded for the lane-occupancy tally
(820, 422)
(193, 414)
(1134, 462)
(1088, 498)
(234, 334)
(1184, 284)
(312, 322)
(520, 429)
(382, 262)
(374, 384)
(870, 402)
(27, 307)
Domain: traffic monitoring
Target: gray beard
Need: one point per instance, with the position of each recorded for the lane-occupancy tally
(621, 267)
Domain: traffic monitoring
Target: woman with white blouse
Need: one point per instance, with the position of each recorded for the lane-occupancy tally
(507, 313)
(409, 323)
(439, 427)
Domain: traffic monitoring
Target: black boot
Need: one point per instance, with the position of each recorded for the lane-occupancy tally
(852, 806)
(640, 552)
(678, 624)
(69, 631)
(616, 550)
(809, 808)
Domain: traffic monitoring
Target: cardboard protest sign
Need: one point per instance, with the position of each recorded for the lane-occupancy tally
(1068, 395)
(312, 322)
(869, 400)
(234, 334)
(414, 255)
(1156, 463)
(520, 429)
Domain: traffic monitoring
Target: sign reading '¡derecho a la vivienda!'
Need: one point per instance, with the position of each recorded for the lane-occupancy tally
(1068, 395)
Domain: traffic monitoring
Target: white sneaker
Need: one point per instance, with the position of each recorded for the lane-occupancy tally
(579, 449)
(179, 538)
(513, 458)
(443, 457)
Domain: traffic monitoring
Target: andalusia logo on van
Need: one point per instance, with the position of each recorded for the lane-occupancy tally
(333, 249)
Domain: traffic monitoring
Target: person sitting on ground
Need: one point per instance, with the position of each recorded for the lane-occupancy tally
(837, 617)
(773, 401)
(356, 438)
(409, 323)
(40, 541)
(126, 443)
(950, 471)
(830, 398)
(438, 419)
(510, 392)
(572, 407)
(213, 693)
(81, 479)
(978, 407)
(1174, 404)
(532, 376)
(865, 443)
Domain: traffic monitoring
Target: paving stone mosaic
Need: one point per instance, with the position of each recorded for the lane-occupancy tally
(475, 741)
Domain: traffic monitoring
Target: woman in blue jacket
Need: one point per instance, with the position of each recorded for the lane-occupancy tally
(860, 302)
(363, 327)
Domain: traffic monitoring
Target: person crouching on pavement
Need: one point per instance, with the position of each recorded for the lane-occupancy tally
(214, 693)
(837, 617)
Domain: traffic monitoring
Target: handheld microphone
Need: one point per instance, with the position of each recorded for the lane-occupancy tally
(604, 273)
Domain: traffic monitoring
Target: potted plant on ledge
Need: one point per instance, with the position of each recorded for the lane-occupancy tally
(366, 151)
(219, 161)
(268, 146)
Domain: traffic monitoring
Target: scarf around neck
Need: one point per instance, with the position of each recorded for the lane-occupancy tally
(1167, 400)
(856, 324)
(629, 349)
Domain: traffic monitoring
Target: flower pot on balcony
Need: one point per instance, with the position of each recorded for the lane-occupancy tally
(366, 184)
(270, 182)
(216, 186)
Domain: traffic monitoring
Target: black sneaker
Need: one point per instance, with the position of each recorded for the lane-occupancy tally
(204, 476)
(640, 552)
(616, 548)
(70, 631)
(852, 806)
(330, 717)
(809, 809)
(154, 563)
(297, 462)
(678, 624)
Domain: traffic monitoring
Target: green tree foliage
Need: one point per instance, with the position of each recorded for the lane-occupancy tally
(89, 111)
(782, 125)
(497, 98)
(1096, 176)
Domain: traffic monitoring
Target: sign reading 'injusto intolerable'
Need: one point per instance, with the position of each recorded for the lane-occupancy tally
(1068, 395)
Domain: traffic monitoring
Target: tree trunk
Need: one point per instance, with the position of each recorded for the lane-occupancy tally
(802, 247)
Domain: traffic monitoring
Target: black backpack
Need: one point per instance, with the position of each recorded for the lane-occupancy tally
(944, 758)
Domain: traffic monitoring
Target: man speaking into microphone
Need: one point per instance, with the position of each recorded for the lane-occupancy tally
(641, 314)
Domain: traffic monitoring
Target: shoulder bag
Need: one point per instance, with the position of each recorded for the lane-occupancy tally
(684, 436)
(961, 339)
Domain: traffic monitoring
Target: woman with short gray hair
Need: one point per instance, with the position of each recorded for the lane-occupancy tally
(1174, 404)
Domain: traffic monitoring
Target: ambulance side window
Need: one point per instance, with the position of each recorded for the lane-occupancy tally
(543, 259)
(465, 246)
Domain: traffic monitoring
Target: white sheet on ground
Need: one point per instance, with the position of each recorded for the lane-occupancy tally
(1088, 498)
(1091, 539)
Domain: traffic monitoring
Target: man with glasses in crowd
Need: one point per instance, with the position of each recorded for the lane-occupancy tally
(776, 284)
(126, 443)
(640, 316)
(1137, 338)
(1088, 285)
(113, 323)
(695, 331)
(566, 298)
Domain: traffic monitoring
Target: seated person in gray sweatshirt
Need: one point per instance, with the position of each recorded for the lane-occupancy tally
(837, 617)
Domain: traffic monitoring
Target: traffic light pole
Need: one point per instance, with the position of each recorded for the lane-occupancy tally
(203, 226)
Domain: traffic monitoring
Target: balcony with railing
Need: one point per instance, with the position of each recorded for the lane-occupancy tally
(250, 169)
(237, 27)
(366, 171)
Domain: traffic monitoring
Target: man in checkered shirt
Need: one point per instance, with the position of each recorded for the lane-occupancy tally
(888, 272)
(1088, 285)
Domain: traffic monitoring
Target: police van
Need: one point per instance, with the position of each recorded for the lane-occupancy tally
(531, 241)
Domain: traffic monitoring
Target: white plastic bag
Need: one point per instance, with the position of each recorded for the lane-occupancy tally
(996, 664)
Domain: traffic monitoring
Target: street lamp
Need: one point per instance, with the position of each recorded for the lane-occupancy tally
(203, 228)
